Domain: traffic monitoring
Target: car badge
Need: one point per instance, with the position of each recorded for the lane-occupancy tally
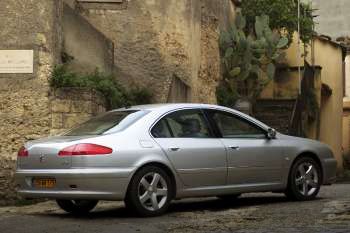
(42, 158)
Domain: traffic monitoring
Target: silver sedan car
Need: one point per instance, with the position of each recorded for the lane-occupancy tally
(149, 155)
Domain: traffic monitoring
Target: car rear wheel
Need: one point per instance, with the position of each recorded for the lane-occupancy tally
(150, 192)
(304, 180)
(77, 206)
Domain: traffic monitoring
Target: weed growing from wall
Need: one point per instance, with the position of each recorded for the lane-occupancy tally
(116, 96)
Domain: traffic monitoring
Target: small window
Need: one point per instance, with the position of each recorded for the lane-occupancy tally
(231, 126)
(182, 124)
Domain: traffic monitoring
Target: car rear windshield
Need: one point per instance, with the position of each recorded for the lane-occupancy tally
(107, 123)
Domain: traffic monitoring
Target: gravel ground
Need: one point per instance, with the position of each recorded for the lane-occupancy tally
(261, 212)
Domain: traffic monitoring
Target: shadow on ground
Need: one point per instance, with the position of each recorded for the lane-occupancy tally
(186, 205)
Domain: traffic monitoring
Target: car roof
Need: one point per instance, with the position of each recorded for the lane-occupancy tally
(171, 106)
(174, 106)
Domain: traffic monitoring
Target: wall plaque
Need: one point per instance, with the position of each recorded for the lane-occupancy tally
(16, 61)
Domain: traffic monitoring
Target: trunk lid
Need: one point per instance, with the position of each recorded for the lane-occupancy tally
(43, 153)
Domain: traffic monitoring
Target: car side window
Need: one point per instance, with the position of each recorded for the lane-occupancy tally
(182, 124)
(231, 126)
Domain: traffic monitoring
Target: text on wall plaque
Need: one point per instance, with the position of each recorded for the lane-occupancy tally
(16, 61)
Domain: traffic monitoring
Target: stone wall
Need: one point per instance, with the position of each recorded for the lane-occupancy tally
(215, 17)
(86, 48)
(71, 106)
(24, 100)
(29, 109)
(159, 40)
(24, 112)
(8, 194)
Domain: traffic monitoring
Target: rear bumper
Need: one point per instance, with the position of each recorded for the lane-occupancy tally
(329, 171)
(87, 183)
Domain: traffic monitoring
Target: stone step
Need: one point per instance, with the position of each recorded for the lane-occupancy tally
(274, 104)
(275, 113)
(271, 116)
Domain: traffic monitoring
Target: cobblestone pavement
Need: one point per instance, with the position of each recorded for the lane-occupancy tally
(265, 212)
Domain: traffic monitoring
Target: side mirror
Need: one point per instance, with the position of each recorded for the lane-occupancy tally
(271, 133)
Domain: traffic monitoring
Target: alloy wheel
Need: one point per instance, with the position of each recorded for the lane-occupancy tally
(306, 179)
(152, 191)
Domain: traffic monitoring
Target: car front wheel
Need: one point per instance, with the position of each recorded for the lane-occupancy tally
(150, 192)
(77, 206)
(304, 180)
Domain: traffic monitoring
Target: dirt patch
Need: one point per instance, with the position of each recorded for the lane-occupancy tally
(337, 211)
(212, 221)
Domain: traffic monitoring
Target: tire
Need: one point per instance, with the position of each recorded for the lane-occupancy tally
(150, 192)
(79, 207)
(231, 197)
(305, 179)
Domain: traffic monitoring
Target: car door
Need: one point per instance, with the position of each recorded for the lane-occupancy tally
(252, 158)
(198, 157)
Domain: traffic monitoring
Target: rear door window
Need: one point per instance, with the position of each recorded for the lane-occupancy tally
(182, 124)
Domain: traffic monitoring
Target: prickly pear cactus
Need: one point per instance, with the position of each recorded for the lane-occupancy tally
(249, 57)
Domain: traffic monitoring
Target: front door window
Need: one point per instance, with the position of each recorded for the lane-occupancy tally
(231, 126)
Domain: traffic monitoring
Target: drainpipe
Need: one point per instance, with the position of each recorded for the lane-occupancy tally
(299, 53)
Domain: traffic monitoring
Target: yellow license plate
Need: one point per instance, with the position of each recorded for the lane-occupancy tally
(44, 182)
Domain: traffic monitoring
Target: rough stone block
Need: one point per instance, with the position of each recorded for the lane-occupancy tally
(97, 109)
(71, 120)
(81, 107)
(56, 132)
(61, 106)
(56, 121)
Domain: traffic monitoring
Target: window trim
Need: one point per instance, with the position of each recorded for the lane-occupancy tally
(219, 133)
(211, 132)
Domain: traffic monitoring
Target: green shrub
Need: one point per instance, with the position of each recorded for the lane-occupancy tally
(116, 96)
(226, 96)
(283, 16)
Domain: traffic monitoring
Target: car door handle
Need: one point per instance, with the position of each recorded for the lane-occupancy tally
(234, 147)
(174, 148)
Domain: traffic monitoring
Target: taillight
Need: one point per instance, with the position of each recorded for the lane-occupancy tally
(23, 152)
(85, 149)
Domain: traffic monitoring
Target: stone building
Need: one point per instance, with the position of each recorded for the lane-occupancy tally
(170, 47)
